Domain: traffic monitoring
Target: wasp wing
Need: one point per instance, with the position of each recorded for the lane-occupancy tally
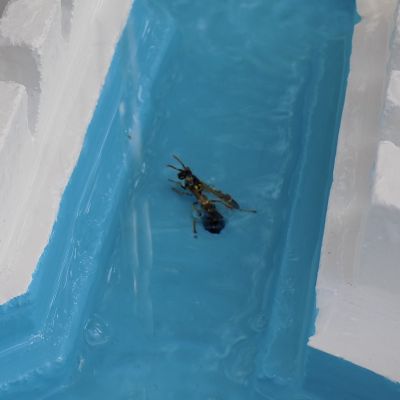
(226, 198)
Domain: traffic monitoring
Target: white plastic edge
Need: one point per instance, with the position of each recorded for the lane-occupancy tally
(358, 296)
(54, 56)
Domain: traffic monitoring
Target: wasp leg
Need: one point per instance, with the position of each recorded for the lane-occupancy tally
(180, 192)
(181, 187)
(247, 210)
(194, 220)
(194, 228)
(177, 183)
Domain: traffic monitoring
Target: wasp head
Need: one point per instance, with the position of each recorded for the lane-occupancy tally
(185, 173)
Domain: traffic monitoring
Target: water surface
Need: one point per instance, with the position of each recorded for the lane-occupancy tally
(249, 94)
(246, 88)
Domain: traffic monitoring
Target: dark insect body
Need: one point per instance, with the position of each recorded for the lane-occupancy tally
(190, 184)
(212, 220)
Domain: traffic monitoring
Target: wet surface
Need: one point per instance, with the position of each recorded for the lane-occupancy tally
(192, 317)
(249, 95)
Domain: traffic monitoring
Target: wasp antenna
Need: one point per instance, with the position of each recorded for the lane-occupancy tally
(173, 167)
(179, 161)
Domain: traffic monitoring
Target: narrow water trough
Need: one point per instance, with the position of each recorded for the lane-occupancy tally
(125, 302)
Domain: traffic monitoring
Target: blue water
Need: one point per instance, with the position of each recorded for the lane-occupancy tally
(126, 303)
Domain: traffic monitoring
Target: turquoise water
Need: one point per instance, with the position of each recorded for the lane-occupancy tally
(126, 303)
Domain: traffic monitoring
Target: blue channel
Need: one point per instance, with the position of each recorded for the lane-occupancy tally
(125, 303)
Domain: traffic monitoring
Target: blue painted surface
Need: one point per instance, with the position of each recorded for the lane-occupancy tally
(125, 303)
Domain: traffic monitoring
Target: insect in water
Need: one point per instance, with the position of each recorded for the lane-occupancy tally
(213, 221)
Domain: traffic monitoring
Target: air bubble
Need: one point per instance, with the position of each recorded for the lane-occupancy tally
(96, 331)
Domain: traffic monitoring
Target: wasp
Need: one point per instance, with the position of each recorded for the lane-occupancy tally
(212, 220)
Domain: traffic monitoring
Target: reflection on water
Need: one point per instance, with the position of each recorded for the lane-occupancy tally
(235, 97)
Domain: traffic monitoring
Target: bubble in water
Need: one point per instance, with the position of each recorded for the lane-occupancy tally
(96, 331)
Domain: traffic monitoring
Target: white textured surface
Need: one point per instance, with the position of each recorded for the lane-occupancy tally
(386, 190)
(353, 308)
(33, 18)
(393, 93)
(13, 104)
(54, 68)
(358, 294)
(15, 138)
